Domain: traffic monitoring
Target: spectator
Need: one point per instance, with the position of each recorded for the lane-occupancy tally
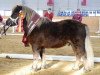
(77, 16)
(49, 14)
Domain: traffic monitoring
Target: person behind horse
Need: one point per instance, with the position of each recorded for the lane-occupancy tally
(49, 14)
(77, 16)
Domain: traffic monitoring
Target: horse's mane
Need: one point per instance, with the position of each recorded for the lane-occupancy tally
(29, 12)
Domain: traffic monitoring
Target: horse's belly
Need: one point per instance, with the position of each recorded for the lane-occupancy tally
(55, 44)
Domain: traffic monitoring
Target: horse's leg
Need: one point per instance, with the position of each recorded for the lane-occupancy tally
(0, 32)
(76, 65)
(35, 58)
(43, 58)
(87, 64)
(79, 52)
(3, 30)
(35, 61)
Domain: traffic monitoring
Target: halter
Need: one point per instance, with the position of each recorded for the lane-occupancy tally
(14, 20)
(21, 15)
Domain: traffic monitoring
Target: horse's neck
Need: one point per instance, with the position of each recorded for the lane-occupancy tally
(46, 20)
(33, 19)
(31, 15)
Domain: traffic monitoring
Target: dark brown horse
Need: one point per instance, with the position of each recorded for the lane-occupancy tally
(49, 34)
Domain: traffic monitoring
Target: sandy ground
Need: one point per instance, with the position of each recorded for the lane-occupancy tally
(13, 44)
(22, 67)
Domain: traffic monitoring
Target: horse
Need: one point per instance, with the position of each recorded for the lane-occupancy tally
(48, 34)
(6, 26)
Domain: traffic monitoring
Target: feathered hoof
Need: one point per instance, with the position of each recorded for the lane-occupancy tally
(75, 68)
(34, 69)
(85, 70)
(43, 67)
(88, 68)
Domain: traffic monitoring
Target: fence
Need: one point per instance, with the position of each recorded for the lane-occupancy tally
(84, 13)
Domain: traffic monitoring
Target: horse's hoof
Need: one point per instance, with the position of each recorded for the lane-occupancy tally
(34, 69)
(75, 68)
(86, 70)
(43, 67)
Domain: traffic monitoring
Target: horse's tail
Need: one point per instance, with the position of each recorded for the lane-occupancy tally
(88, 48)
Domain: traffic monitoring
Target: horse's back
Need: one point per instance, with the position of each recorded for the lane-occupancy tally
(71, 27)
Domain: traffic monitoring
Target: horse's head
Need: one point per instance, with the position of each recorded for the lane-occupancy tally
(19, 12)
(13, 20)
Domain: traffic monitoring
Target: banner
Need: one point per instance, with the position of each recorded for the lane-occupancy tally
(84, 2)
(50, 2)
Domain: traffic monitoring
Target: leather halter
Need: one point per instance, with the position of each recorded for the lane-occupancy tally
(14, 20)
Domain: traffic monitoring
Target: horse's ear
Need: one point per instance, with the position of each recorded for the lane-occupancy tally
(17, 5)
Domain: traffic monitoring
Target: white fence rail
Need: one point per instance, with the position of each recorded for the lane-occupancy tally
(48, 57)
